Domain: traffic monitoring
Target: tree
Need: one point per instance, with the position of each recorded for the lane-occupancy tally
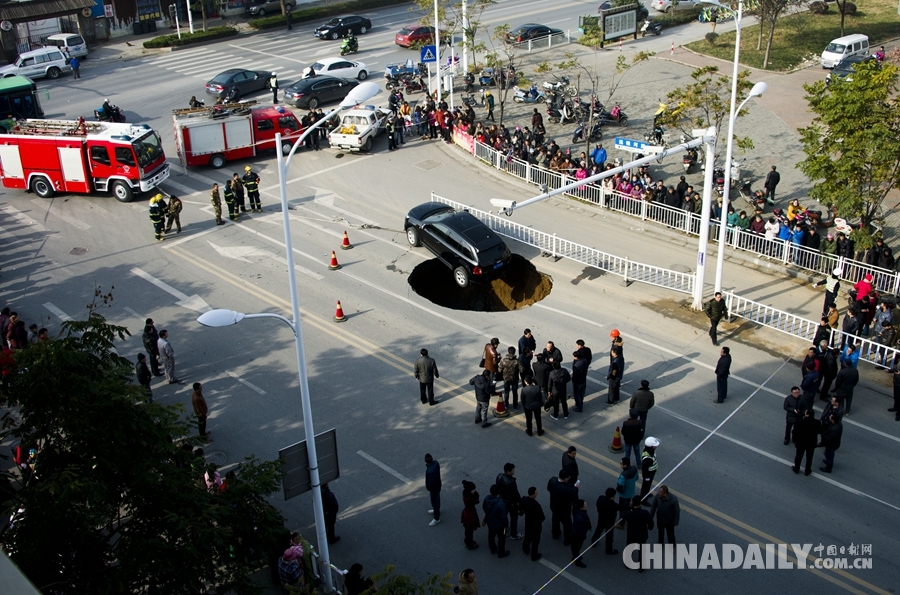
(503, 57)
(842, 9)
(450, 13)
(853, 144)
(114, 504)
(769, 11)
(706, 102)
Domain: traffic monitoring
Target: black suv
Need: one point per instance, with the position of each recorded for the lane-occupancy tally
(469, 247)
(846, 67)
(340, 26)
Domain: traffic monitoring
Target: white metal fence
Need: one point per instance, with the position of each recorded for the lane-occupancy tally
(775, 249)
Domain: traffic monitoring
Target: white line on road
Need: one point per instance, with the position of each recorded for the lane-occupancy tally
(249, 385)
(269, 189)
(192, 302)
(135, 314)
(271, 55)
(185, 190)
(22, 218)
(57, 312)
(378, 463)
(194, 236)
(569, 577)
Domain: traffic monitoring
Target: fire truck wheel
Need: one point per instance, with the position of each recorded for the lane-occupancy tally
(42, 187)
(217, 161)
(122, 191)
(286, 147)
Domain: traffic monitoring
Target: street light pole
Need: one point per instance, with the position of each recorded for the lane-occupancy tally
(465, 44)
(437, 51)
(703, 244)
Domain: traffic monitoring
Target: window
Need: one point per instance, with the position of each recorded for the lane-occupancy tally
(27, 62)
(53, 56)
(75, 40)
(125, 156)
(285, 122)
(263, 125)
(100, 155)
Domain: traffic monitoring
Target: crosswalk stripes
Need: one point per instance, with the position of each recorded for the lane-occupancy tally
(180, 56)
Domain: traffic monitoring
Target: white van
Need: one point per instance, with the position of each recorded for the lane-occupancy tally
(843, 47)
(71, 43)
(48, 62)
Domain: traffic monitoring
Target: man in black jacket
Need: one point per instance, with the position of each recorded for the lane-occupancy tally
(484, 387)
(715, 310)
(640, 523)
(614, 375)
(608, 510)
(581, 525)
(425, 371)
(792, 414)
(541, 370)
(552, 353)
(844, 383)
(829, 370)
(143, 374)
(579, 379)
(509, 492)
(570, 464)
(723, 370)
(557, 383)
(331, 508)
(831, 440)
(667, 511)
(806, 435)
(534, 519)
(632, 434)
(532, 401)
(563, 497)
(772, 179)
(150, 338)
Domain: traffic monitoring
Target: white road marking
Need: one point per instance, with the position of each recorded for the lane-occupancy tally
(566, 575)
(193, 236)
(242, 252)
(326, 198)
(192, 302)
(202, 54)
(135, 314)
(22, 218)
(57, 312)
(271, 55)
(378, 463)
(346, 162)
(180, 187)
(249, 385)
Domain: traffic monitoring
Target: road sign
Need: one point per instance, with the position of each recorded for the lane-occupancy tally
(636, 146)
(296, 464)
(428, 53)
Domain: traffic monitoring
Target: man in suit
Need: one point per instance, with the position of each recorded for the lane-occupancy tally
(425, 371)
(723, 370)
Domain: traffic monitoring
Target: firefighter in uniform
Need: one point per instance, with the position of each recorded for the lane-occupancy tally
(230, 201)
(157, 216)
(174, 213)
(216, 201)
(238, 188)
(649, 465)
(251, 183)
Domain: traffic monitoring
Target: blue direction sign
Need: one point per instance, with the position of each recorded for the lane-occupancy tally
(428, 53)
(627, 144)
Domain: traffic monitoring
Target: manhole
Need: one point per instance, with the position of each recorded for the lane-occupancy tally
(78, 251)
(216, 458)
(427, 165)
(521, 286)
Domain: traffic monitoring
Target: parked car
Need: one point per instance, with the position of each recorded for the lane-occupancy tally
(530, 31)
(234, 83)
(642, 12)
(338, 67)
(313, 92)
(413, 34)
(70, 43)
(667, 5)
(49, 62)
(846, 67)
(260, 8)
(340, 26)
(469, 247)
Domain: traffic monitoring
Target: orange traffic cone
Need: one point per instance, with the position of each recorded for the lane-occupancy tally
(616, 445)
(500, 410)
(334, 263)
(339, 313)
(345, 243)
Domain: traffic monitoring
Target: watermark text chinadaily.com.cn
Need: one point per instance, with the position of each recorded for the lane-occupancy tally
(729, 556)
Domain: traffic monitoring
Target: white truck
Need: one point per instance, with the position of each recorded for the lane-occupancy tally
(358, 127)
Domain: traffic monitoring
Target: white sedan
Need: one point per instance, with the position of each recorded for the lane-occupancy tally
(338, 67)
(667, 5)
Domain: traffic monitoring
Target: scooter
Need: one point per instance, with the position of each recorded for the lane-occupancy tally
(350, 45)
(719, 177)
(113, 114)
(413, 85)
(470, 101)
(614, 116)
(578, 134)
(656, 135)
(651, 27)
(469, 80)
(561, 86)
(534, 95)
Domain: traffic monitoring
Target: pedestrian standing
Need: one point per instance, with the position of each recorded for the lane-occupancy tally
(809, 386)
(467, 584)
(844, 383)
(772, 179)
(570, 464)
(581, 524)
(849, 328)
(607, 511)
(508, 368)
(489, 101)
(75, 63)
(832, 285)
(534, 520)
(230, 201)
(617, 341)
(715, 310)
(201, 410)
(251, 184)
(469, 518)
(723, 370)
(625, 485)
(829, 369)
(433, 485)
(649, 465)
(527, 345)
(495, 517)
(484, 388)
(158, 216)
(151, 345)
(389, 130)
(563, 497)
(792, 412)
(288, 18)
(143, 374)
(532, 402)
(238, 188)
(167, 356)
(330, 507)
(552, 354)
(509, 492)
(806, 436)
(896, 408)
(642, 401)
(174, 214)
(558, 382)
(273, 84)
(541, 370)
(831, 440)
(579, 379)
(632, 435)
(667, 511)
(614, 375)
(216, 201)
(32, 333)
(640, 523)
(425, 370)
(490, 358)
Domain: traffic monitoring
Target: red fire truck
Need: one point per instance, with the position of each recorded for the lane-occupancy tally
(50, 156)
(233, 131)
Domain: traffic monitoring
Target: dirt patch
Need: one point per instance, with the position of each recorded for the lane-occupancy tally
(521, 286)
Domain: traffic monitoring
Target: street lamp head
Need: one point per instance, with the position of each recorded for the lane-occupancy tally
(221, 317)
(359, 93)
(758, 89)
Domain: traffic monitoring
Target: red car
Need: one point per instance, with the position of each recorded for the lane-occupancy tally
(415, 33)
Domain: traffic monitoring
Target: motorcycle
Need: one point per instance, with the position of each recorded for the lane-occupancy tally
(469, 80)
(413, 85)
(578, 134)
(534, 95)
(109, 113)
(656, 135)
(470, 101)
(689, 159)
(561, 86)
(350, 45)
(756, 198)
(614, 116)
(651, 27)
(719, 178)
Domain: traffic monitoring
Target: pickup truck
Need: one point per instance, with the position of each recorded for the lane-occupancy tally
(358, 127)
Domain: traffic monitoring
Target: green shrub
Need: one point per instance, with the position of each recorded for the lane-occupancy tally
(165, 41)
(711, 37)
(818, 7)
(318, 12)
(677, 17)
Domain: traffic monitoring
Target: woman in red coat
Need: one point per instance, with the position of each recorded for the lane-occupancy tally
(469, 518)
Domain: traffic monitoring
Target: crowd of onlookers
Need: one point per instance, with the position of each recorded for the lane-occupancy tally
(14, 335)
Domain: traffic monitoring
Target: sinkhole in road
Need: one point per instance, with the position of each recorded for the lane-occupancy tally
(521, 286)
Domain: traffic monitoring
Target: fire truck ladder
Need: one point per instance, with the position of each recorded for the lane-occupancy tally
(219, 110)
(60, 127)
